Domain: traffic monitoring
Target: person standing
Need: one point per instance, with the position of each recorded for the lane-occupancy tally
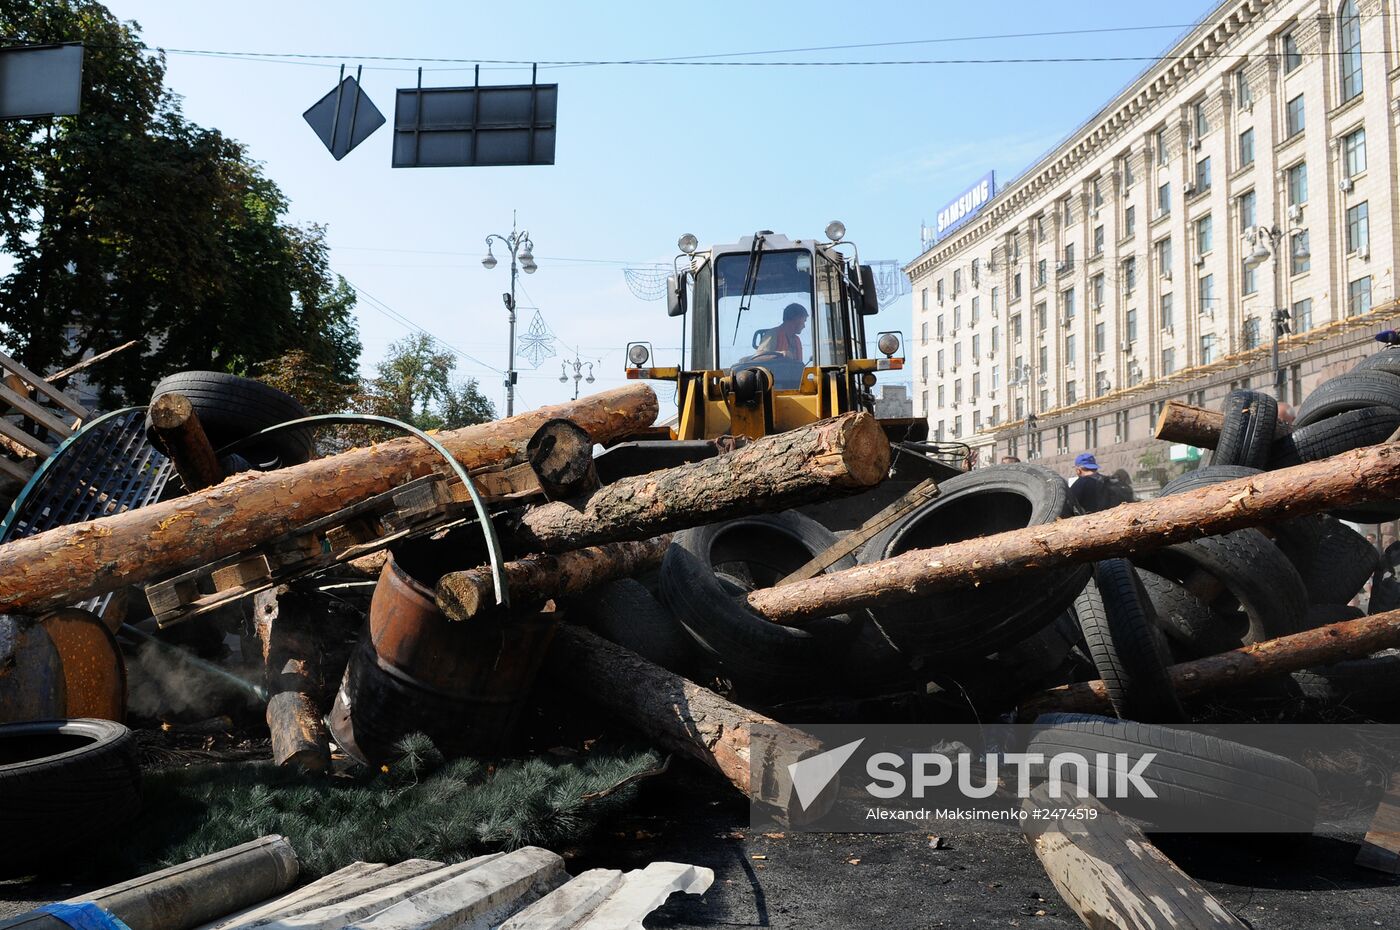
(1090, 489)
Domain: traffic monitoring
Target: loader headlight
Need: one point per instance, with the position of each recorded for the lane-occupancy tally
(888, 343)
(637, 354)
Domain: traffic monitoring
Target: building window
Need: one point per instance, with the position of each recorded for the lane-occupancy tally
(941, 397)
(1249, 279)
(1130, 325)
(957, 355)
(1129, 222)
(1349, 41)
(1298, 184)
(1016, 329)
(1354, 152)
(996, 300)
(1100, 389)
(1069, 257)
(1168, 361)
(1203, 235)
(1164, 312)
(1043, 357)
(1207, 348)
(923, 368)
(1164, 256)
(1129, 275)
(976, 272)
(1299, 255)
(1160, 142)
(1039, 222)
(976, 347)
(1302, 315)
(1067, 211)
(1293, 117)
(1199, 119)
(976, 385)
(1098, 240)
(996, 333)
(977, 421)
(1248, 217)
(940, 361)
(1099, 334)
(1016, 286)
(1067, 301)
(1096, 291)
(1096, 188)
(1358, 228)
(923, 300)
(1359, 296)
(1069, 350)
(1040, 317)
(957, 320)
(924, 399)
(1128, 171)
(957, 392)
(938, 327)
(1247, 147)
(996, 374)
(957, 427)
(1040, 273)
(1203, 175)
(1205, 293)
(940, 290)
(923, 333)
(1244, 97)
(1251, 333)
(1292, 58)
(1070, 396)
(957, 282)
(975, 312)
(1164, 199)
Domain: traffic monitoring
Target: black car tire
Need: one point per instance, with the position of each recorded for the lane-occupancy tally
(231, 408)
(1351, 391)
(1345, 561)
(1351, 429)
(1297, 538)
(1247, 429)
(626, 613)
(61, 783)
(1126, 645)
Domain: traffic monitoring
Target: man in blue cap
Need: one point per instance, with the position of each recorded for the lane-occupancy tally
(1090, 489)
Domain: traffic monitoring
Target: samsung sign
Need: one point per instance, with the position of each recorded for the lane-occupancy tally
(963, 207)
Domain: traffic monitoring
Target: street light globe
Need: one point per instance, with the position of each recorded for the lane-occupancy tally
(529, 266)
(489, 261)
(526, 253)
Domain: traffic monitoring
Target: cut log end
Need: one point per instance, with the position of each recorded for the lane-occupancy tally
(170, 411)
(865, 450)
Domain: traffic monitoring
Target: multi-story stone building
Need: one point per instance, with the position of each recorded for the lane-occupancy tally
(1250, 170)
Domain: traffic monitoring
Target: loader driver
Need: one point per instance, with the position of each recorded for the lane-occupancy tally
(780, 349)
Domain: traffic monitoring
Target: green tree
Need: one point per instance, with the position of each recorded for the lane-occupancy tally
(129, 221)
(414, 383)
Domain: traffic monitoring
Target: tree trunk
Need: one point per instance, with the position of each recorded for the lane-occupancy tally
(292, 663)
(538, 578)
(70, 563)
(561, 455)
(1336, 642)
(1195, 426)
(1357, 477)
(183, 438)
(1112, 875)
(682, 717)
(842, 455)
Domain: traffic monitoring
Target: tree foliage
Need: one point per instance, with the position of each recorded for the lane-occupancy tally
(414, 383)
(129, 221)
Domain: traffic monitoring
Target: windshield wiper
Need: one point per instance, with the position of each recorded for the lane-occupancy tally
(750, 283)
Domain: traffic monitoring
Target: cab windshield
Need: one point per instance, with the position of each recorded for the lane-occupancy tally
(765, 315)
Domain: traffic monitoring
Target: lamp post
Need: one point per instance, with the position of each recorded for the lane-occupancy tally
(1264, 243)
(522, 257)
(577, 365)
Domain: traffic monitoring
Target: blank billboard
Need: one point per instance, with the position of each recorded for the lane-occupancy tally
(438, 127)
(41, 80)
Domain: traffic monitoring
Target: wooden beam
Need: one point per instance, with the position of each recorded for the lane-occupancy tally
(32, 443)
(43, 387)
(89, 362)
(44, 418)
(925, 490)
(1112, 875)
(1195, 426)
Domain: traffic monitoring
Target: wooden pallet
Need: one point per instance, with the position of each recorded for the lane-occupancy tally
(427, 504)
(20, 392)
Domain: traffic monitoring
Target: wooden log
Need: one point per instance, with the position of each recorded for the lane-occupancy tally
(561, 455)
(70, 563)
(1195, 426)
(1356, 477)
(1336, 642)
(538, 578)
(841, 455)
(1380, 848)
(685, 718)
(1111, 875)
(89, 362)
(181, 434)
(300, 737)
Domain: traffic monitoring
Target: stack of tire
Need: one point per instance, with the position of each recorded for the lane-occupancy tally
(232, 409)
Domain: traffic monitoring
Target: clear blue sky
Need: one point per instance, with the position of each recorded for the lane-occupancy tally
(644, 153)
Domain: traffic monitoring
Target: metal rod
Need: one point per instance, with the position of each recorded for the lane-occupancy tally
(335, 118)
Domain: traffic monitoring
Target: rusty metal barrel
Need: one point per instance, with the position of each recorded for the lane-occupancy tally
(414, 671)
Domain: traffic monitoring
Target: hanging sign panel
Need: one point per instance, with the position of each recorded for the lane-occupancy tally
(441, 127)
(41, 80)
(344, 118)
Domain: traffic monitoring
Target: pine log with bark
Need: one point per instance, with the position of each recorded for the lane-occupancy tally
(1361, 476)
(842, 455)
(70, 563)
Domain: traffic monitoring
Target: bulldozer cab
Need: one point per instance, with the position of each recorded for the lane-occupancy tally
(774, 336)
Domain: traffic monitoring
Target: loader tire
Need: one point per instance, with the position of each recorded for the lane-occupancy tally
(1201, 782)
(979, 621)
(1127, 647)
(61, 783)
(231, 408)
(1247, 430)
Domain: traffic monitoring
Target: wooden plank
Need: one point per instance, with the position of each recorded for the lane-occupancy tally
(1112, 875)
(239, 573)
(1380, 850)
(925, 490)
(17, 470)
(38, 414)
(43, 387)
(33, 443)
(89, 362)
